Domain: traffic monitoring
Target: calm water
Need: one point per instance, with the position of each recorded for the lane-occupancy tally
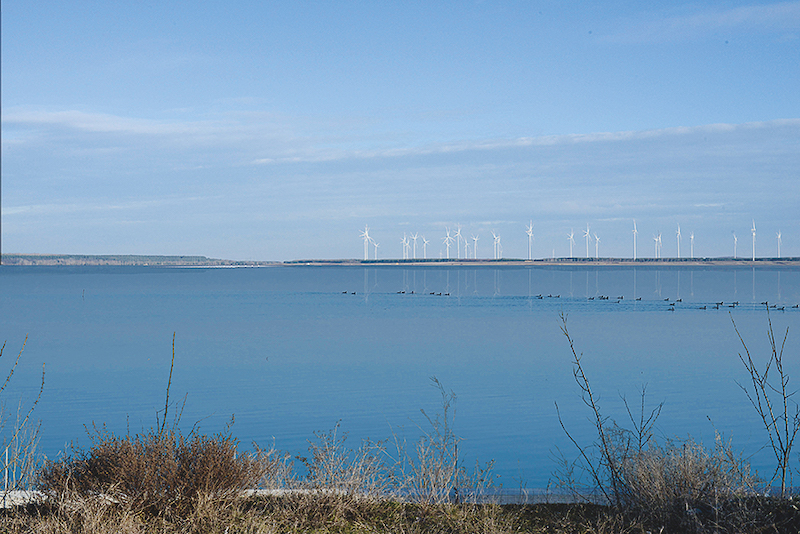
(287, 352)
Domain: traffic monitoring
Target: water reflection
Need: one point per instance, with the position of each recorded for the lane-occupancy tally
(706, 285)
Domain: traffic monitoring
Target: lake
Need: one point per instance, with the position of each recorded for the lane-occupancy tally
(291, 350)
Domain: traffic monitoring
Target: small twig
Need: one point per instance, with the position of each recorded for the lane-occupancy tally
(169, 384)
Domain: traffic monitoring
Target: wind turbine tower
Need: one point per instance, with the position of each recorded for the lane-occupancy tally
(691, 244)
(475, 247)
(458, 242)
(414, 237)
(529, 231)
(635, 233)
(735, 242)
(375, 243)
(404, 241)
(754, 239)
(586, 235)
(596, 247)
(365, 236)
(425, 248)
(778, 235)
(571, 242)
(679, 241)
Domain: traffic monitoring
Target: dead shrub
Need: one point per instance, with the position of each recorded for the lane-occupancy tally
(156, 473)
(676, 485)
(431, 471)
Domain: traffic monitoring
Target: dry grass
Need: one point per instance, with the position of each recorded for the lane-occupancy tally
(19, 456)
(297, 514)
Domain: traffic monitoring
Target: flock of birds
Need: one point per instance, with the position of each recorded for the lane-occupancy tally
(671, 303)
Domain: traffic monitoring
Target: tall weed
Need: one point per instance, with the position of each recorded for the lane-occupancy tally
(681, 485)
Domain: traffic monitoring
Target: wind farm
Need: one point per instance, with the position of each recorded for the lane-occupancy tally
(524, 240)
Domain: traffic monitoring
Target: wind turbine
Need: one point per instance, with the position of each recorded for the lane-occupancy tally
(414, 237)
(586, 235)
(496, 243)
(679, 241)
(655, 240)
(691, 244)
(447, 241)
(375, 243)
(635, 233)
(735, 241)
(458, 242)
(365, 235)
(778, 235)
(475, 247)
(596, 247)
(404, 241)
(660, 245)
(754, 239)
(529, 231)
(571, 241)
(425, 248)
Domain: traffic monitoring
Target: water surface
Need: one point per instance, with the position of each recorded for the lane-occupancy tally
(291, 350)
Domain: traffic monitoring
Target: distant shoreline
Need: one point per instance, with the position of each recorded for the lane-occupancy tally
(77, 260)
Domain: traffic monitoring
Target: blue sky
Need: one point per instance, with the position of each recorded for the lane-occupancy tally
(278, 130)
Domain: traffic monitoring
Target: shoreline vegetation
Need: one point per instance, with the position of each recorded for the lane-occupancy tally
(78, 260)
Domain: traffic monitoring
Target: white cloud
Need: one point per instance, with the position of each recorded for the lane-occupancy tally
(101, 123)
(261, 139)
(551, 140)
(71, 208)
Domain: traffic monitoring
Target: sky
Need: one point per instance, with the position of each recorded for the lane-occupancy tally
(279, 130)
